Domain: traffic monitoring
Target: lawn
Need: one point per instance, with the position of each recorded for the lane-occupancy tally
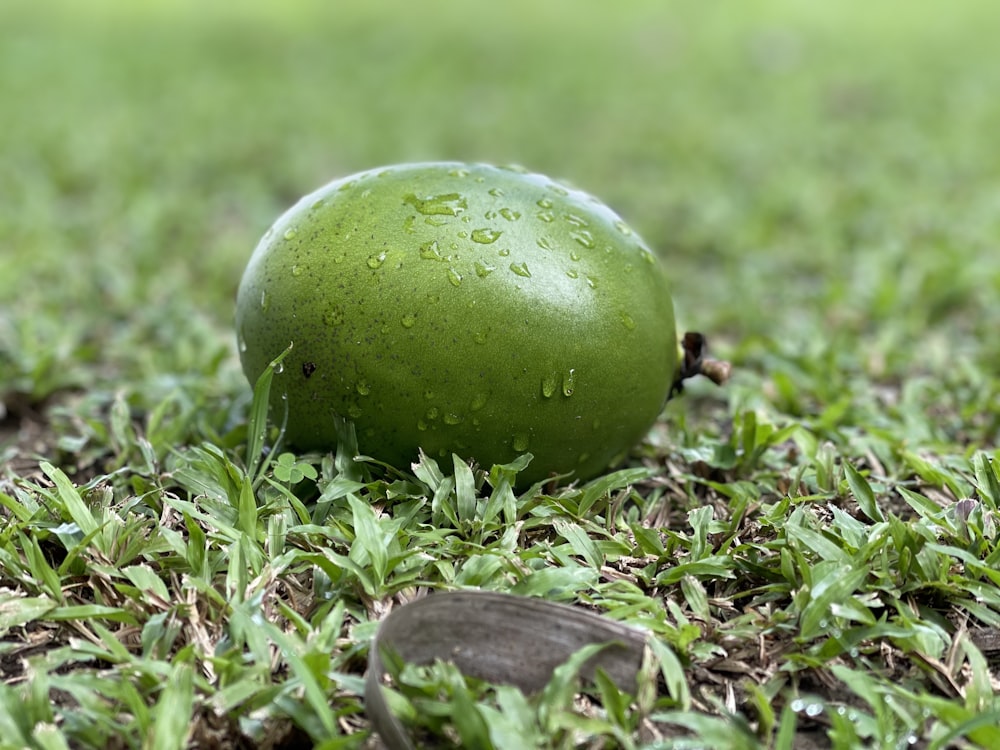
(811, 550)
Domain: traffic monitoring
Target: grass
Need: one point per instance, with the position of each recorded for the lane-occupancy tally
(813, 549)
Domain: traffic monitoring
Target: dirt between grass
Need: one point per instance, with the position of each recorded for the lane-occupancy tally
(25, 436)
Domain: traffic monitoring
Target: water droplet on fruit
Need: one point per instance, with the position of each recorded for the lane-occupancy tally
(547, 216)
(408, 320)
(376, 261)
(317, 204)
(445, 204)
(574, 255)
(549, 386)
(265, 301)
(485, 236)
(479, 401)
(290, 233)
(354, 411)
(624, 228)
(505, 252)
(628, 321)
(363, 388)
(462, 235)
(334, 316)
(431, 251)
(432, 413)
(521, 442)
(429, 395)
(572, 273)
(421, 425)
(242, 344)
(584, 457)
(576, 221)
(483, 270)
(296, 270)
(479, 337)
(521, 269)
(450, 418)
(491, 214)
(496, 192)
(454, 277)
(545, 243)
(510, 214)
(592, 282)
(408, 223)
(584, 238)
(557, 189)
(649, 257)
(347, 186)
(435, 221)
(569, 382)
(459, 172)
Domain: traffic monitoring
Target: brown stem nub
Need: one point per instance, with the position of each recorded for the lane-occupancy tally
(716, 370)
(694, 363)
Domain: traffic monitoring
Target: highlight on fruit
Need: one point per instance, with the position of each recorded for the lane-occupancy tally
(465, 308)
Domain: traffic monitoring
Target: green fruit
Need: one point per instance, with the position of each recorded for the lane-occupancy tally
(464, 309)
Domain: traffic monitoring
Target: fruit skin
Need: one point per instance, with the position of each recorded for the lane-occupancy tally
(461, 308)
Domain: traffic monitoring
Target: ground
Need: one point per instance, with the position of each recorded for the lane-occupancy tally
(811, 550)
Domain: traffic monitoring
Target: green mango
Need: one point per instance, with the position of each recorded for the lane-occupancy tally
(461, 308)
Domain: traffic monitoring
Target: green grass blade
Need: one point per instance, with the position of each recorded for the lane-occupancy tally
(71, 500)
(862, 492)
(257, 428)
(465, 491)
(370, 537)
(987, 473)
(247, 522)
(20, 610)
(173, 711)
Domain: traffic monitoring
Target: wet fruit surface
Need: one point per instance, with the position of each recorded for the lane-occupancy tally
(461, 309)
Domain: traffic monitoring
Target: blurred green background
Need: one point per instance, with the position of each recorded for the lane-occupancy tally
(820, 178)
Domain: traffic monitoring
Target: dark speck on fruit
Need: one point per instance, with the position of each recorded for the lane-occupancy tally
(308, 368)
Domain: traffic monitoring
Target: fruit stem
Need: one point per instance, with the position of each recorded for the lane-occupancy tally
(694, 362)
